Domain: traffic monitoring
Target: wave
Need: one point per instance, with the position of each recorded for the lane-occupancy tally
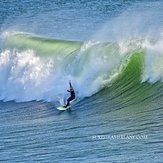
(38, 68)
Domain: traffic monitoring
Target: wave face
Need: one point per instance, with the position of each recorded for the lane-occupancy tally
(37, 68)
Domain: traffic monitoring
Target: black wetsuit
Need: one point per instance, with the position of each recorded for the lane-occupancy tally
(72, 97)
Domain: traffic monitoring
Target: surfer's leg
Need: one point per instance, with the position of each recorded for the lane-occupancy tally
(68, 103)
(68, 100)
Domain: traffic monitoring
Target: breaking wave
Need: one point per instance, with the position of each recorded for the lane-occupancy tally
(38, 68)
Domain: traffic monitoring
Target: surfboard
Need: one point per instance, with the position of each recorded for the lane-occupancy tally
(62, 108)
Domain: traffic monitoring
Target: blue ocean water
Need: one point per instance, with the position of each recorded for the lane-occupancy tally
(113, 53)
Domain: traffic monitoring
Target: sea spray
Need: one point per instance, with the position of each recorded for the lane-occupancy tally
(153, 70)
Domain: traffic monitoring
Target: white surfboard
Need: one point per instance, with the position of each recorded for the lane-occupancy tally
(62, 108)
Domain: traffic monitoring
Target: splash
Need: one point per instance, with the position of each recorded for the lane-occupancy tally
(153, 70)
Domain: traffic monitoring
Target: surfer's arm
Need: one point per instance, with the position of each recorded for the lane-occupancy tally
(70, 83)
(71, 88)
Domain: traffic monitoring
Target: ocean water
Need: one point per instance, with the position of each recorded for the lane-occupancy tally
(112, 51)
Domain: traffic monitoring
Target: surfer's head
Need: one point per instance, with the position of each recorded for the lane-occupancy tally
(71, 89)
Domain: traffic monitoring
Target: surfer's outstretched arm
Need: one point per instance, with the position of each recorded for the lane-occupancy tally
(70, 83)
(71, 88)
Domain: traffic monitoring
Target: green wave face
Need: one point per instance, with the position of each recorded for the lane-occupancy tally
(39, 68)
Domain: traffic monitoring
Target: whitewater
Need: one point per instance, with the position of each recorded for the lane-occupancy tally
(113, 54)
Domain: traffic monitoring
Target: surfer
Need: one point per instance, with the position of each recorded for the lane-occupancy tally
(72, 97)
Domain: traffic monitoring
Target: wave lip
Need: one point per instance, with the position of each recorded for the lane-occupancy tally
(42, 46)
